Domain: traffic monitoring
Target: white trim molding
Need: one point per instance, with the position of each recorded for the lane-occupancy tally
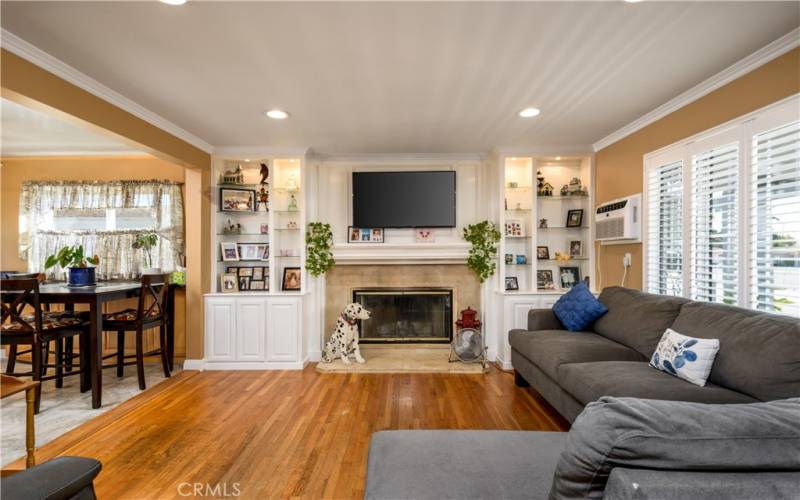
(194, 364)
(33, 54)
(758, 58)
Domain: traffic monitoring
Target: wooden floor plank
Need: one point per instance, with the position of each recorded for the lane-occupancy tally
(289, 434)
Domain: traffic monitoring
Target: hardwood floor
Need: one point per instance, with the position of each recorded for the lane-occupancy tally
(289, 434)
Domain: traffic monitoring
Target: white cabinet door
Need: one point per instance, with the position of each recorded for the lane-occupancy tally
(519, 312)
(250, 329)
(547, 302)
(283, 329)
(220, 329)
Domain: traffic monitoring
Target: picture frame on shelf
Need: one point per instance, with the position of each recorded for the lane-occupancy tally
(511, 283)
(569, 276)
(258, 285)
(424, 235)
(245, 272)
(237, 200)
(364, 234)
(244, 283)
(521, 260)
(542, 252)
(253, 251)
(228, 283)
(229, 251)
(509, 259)
(576, 249)
(264, 228)
(544, 280)
(575, 217)
(291, 281)
(258, 274)
(514, 228)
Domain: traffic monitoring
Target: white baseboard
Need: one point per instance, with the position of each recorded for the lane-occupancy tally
(504, 364)
(194, 364)
(253, 365)
(314, 357)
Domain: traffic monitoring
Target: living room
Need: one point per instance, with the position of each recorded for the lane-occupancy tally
(400, 250)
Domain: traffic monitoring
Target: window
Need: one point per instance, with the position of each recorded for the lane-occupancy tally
(775, 220)
(723, 213)
(665, 240)
(714, 219)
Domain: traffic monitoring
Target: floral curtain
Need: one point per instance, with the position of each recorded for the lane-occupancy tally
(39, 235)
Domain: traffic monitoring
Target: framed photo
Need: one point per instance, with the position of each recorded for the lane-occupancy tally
(575, 218)
(511, 283)
(514, 228)
(576, 249)
(424, 235)
(291, 279)
(522, 260)
(231, 270)
(569, 276)
(228, 283)
(237, 200)
(509, 259)
(258, 285)
(264, 228)
(542, 252)
(364, 234)
(229, 251)
(253, 251)
(245, 271)
(258, 274)
(244, 283)
(544, 280)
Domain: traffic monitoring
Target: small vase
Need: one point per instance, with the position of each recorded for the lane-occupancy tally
(81, 276)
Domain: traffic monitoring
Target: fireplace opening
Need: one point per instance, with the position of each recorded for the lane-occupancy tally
(406, 315)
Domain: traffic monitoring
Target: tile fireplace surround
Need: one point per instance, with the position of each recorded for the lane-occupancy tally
(343, 279)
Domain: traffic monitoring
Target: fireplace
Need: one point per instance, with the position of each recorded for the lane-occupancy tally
(406, 315)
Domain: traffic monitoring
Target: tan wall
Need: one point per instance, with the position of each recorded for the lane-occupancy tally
(619, 167)
(15, 171)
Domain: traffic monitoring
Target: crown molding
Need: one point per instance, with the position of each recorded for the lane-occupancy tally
(82, 154)
(33, 54)
(544, 150)
(385, 158)
(758, 58)
(256, 152)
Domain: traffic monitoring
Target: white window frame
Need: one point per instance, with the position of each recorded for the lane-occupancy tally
(742, 130)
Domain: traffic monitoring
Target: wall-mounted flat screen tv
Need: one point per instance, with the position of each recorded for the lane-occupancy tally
(404, 199)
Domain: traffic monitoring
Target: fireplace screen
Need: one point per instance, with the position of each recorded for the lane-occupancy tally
(406, 315)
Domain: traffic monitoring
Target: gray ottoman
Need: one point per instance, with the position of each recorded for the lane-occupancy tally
(462, 464)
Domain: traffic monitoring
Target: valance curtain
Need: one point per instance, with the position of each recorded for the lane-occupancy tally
(39, 236)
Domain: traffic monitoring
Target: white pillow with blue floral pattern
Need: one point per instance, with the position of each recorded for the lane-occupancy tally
(685, 357)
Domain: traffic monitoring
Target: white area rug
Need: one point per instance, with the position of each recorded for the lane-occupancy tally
(64, 409)
(402, 359)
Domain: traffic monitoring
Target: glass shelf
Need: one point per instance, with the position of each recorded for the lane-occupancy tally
(567, 197)
(287, 256)
(241, 186)
(286, 190)
(518, 210)
(287, 212)
(520, 188)
(561, 227)
(564, 261)
(287, 228)
(518, 237)
(242, 234)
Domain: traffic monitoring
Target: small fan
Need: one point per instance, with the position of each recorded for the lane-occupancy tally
(467, 346)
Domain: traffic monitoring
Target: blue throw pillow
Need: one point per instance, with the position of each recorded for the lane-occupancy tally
(578, 308)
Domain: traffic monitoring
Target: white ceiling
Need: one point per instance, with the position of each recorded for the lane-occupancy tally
(362, 78)
(26, 132)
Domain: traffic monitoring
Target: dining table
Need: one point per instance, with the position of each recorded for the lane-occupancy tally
(95, 296)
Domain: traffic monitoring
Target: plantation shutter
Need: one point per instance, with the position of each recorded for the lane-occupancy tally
(714, 220)
(775, 220)
(665, 229)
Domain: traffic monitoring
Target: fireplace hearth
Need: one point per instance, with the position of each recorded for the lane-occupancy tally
(406, 315)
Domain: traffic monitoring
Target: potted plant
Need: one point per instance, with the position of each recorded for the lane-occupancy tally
(484, 237)
(80, 273)
(145, 242)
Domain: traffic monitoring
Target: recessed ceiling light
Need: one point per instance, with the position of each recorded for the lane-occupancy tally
(277, 114)
(529, 112)
(632, 1)
(558, 158)
(173, 2)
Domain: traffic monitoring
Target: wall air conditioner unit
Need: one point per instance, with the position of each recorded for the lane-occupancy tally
(619, 220)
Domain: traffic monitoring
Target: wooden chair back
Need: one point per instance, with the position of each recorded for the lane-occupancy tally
(154, 287)
(17, 293)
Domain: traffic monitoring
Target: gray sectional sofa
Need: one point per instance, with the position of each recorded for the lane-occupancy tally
(758, 360)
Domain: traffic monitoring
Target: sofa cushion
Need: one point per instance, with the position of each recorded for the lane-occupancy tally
(462, 464)
(759, 353)
(549, 349)
(685, 357)
(637, 319)
(665, 435)
(578, 308)
(589, 382)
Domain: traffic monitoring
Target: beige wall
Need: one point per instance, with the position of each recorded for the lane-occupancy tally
(619, 167)
(14, 171)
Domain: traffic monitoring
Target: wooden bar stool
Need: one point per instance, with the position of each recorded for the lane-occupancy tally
(154, 287)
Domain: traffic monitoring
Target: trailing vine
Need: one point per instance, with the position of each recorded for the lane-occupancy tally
(484, 237)
(319, 258)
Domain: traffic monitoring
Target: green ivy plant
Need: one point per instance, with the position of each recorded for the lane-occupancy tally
(146, 241)
(319, 258)
(70, 257)
(484, 237)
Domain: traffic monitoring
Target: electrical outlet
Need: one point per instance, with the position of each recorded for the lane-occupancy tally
(627, 260)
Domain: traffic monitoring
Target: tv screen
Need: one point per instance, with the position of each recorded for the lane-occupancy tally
(404, 199)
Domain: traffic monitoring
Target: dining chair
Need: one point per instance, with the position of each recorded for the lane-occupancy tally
(150, 312)
(24, 322)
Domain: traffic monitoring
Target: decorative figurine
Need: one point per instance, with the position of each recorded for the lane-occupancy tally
(543, 188)
(539, 180)
(292, 204)
(232, 228)
(565, 190)
(562, 257)
(543, 223)
(233, 176)
(264, 173)
(575, 188)
(291, 225)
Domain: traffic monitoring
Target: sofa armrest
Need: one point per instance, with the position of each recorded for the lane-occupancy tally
(637, 484)
(543, 319)
(60, 478)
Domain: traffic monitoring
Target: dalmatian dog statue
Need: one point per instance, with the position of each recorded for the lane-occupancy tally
(344, 341)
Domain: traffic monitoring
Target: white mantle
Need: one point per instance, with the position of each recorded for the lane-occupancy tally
(413, 253)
